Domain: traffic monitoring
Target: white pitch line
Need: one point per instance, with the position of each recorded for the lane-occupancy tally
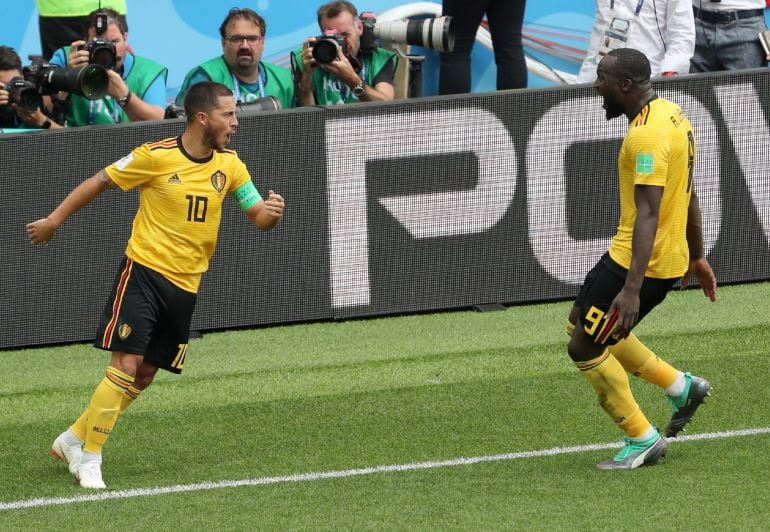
(303, 477)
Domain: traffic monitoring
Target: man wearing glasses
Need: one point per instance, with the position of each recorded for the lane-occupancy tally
(240, 67)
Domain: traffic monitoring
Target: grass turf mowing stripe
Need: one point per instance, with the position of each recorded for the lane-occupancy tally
(302, 477)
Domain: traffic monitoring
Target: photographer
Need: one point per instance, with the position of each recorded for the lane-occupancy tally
(13, 115)
(352, 75)
(240, 67)
(61, 23)
(137, 85)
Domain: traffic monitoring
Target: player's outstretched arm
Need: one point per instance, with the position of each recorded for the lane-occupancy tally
(266, 214)
(41, 231)
(699, 267)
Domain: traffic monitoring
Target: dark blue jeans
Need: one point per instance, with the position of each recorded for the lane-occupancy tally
(505, 20)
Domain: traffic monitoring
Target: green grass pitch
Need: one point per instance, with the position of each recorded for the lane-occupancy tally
(282, 402)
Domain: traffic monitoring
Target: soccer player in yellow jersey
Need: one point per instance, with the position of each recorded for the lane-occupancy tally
(658, 241)
(182, 184)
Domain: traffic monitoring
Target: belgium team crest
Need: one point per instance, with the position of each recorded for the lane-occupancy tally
(218, 181)
(124, 330)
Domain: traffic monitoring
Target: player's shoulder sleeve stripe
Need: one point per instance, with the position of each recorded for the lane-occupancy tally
(644, 115)
(231, 152)
(165, 144)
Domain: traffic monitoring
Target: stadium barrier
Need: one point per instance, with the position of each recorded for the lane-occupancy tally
(410, 206)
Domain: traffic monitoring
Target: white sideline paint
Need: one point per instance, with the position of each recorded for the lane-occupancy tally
(303, 477)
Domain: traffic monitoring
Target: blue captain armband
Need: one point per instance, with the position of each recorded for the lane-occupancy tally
(246, 196)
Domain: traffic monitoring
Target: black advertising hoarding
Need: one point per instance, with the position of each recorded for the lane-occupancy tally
(427, 204)
(512, 198)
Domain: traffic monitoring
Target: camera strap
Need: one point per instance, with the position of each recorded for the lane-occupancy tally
(260, 84)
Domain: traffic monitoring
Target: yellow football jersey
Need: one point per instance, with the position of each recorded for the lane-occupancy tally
(180, 206)
(659, 150)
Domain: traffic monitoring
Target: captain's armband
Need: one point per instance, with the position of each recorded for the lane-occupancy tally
(247, 196)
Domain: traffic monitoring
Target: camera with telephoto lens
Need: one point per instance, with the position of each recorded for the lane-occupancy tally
(100, 50)
(325, 47)
(434, 33)
(266, 103)
(88, 81)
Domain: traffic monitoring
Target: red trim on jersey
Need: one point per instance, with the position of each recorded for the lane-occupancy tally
(165, 143)
(644, 114)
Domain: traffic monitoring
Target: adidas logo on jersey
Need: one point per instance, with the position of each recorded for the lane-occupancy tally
(175, 180)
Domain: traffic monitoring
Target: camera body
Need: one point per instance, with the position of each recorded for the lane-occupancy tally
(325, 47)
(368, 39)
(36, 73)
(101, 52)
(24, 93)
(174, 111)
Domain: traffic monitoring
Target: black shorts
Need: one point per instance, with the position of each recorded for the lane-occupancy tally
(146, 314)
(601, 285)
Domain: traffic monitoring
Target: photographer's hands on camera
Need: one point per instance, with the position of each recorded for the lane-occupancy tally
(341, 68)
(34, 118)
(4, 96)
(80, 56)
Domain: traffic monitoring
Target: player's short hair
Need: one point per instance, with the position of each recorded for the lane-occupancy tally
(245, 13)
(333, 9)
(113, 17)
(203, 97)
(631, 64)
(9, 59)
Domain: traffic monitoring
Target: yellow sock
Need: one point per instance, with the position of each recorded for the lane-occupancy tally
(130, 394)
(102, 412)
(609, 380)
(636, 358)
(80, 427)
